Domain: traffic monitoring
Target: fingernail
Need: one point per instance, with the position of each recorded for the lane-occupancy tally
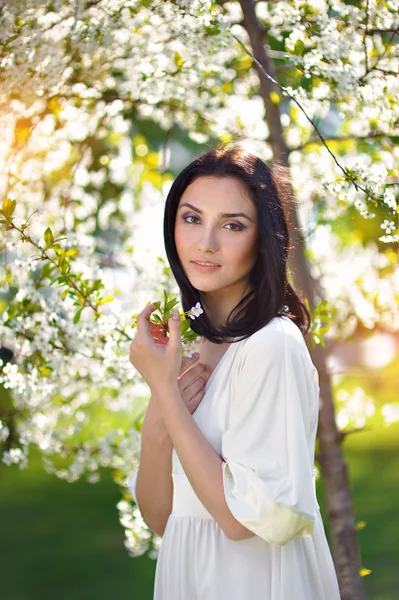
(175, 314)
(195, 355)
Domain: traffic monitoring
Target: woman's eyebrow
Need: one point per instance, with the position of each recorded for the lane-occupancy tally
(221, 215)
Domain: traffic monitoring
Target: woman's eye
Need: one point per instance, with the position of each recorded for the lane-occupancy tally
(236, 225)
(189, 217)
(239, 227)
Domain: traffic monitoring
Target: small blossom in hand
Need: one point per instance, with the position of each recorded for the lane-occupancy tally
(159, 323)
(195, 311)
(190, 347)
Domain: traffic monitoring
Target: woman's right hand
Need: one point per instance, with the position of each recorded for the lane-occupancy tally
(192, 379)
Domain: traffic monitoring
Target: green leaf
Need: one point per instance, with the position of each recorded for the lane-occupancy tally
(97, 285)
(299, 47)
(190, 336)
(185, 326)
(72, 252)
(106, 299)
(8, 207)
(48, 237)
(209, 30)
(171, 304)
(76, 318)
(165, 300)
(63, 266)
(45, 371)
(178, 60)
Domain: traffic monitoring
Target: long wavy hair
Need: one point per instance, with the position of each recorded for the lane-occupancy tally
(271, 294)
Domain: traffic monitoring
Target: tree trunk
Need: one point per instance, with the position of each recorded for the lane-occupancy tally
(335, 478)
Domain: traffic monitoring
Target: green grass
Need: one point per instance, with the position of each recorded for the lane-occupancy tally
(63, 541)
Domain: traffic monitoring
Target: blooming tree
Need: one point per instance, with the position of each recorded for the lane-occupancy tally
(102, 102)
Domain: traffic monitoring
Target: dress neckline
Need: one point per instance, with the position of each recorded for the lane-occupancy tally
(218, 365)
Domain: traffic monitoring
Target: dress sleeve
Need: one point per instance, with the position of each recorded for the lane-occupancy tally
(131, 484)
(268, 458)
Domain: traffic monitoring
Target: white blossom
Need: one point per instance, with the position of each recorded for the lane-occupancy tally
(195, 311)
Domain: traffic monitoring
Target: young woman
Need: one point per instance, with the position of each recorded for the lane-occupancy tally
(226, 472)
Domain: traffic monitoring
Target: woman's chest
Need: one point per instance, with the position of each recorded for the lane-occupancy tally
(210, 356)
(212, 413)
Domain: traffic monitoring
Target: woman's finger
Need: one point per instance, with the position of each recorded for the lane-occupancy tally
(193, 394)
(187, 362)
(195, 401)
(187, 368)
(192, 377)
(143, 326)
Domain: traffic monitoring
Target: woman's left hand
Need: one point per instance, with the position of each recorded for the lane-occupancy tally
(158, 364)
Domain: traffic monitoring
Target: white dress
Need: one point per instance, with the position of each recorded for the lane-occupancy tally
(260, 414)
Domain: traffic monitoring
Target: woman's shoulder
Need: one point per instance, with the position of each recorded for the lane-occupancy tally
(279, 333)
(277, 341)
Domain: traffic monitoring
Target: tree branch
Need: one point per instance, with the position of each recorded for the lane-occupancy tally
(344, 138)
(374, 67)
(347, 175)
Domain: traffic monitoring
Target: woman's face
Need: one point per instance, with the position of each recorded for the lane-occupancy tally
(204, 232)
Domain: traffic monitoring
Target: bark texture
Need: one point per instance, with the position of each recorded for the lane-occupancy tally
(335, 477)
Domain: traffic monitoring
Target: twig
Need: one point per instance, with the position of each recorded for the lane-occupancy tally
(374, 67)
(344, 433)
(394, 30)
(343, 138)
(284, 89)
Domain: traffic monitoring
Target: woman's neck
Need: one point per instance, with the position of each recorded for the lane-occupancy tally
(219, 305)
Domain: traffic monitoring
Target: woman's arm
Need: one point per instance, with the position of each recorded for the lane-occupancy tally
(154, 485)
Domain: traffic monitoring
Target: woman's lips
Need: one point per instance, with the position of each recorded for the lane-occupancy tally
(203, 268)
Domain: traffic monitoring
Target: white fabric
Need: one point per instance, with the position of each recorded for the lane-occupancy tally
(260, 413)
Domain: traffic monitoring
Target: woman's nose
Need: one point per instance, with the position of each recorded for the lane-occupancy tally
(208, 241)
